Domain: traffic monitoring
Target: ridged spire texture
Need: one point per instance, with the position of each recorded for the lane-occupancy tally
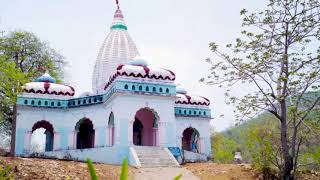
(117, 48)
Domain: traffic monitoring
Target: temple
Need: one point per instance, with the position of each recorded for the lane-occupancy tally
(134, 111)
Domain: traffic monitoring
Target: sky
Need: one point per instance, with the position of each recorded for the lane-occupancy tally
(173, 34)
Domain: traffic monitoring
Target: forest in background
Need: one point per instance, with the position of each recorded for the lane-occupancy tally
(257, 140)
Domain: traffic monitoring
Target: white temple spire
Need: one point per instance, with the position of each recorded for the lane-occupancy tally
(117, 48)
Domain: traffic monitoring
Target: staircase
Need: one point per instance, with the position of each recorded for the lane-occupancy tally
(150, 156)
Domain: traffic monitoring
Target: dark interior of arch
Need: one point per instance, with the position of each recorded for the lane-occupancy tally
(137, 132)
(85, 135)
(48, 133)
(190, 137)
(144, 127)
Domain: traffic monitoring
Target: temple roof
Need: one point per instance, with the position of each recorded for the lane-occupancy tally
(117, 48)
(139, 69)
(46, 84)
(184, 98)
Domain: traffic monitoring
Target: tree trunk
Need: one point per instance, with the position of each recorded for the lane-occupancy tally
(13, 132)
(287, 168)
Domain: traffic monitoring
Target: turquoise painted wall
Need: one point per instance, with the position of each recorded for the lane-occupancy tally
(20, 134)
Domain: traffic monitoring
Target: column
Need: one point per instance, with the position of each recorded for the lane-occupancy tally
(56, 141)
(27, 140)
(162, 133)
(117, 131)
(96, 137)
(74, 141)
(201, 145)
(107, 136)
(155, 136)
(130, 133)
(70, 140)
(111, 131)
(179, 139)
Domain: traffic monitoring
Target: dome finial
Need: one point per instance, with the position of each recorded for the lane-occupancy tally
(117, 2)
(118, 22)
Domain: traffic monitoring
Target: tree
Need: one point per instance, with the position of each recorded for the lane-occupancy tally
(262, 145)
(223, 148)
(23, 57)
(278, 56)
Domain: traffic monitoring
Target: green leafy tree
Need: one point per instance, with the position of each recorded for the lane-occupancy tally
(263, 147)
(223, 148)
(23, 57)
(278, 56)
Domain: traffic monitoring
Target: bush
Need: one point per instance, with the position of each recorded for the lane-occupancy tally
(6, 173)
(223, 148)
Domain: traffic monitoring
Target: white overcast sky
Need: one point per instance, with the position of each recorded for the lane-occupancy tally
(173, 34)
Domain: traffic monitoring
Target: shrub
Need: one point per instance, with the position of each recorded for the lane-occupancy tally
(5, 173)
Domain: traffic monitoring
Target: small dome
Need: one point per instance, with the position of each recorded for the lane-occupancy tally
(46, 78)
(138, 61)
(45, 84)
(139, 71)
(191, 100)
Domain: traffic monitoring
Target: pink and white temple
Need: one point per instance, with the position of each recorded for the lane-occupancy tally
(133, 110)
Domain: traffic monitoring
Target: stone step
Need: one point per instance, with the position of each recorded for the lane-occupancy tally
(151, 154)
(150, 164)
(154, 157)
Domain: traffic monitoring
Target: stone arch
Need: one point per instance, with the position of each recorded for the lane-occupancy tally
(48, 133)
(85, 134)
(190, 139)
(145, 127)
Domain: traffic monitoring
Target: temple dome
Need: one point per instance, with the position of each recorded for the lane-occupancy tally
(117, 48)
(184, 98)
(138, 68)
(46, 84)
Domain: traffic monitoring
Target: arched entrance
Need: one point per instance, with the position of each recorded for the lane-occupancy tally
(190, 140)
(145, 128)
(111, 130)
(85, 134)
(41, 137)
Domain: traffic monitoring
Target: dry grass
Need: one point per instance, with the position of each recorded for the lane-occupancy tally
(31, 168)
(214, 171)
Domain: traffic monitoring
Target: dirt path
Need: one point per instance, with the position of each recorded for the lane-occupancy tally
(214, 171)
(166, 173)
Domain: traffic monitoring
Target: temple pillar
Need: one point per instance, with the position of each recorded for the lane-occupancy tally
(117, 130)
(162, 133)
(130, 133)
(155, 136)
(56, 141)
(179, 139)
(74, 139)
(201, 145)
(96, 137)
(27, 141)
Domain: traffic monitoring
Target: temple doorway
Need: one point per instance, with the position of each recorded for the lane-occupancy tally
(190, 140)
(85, 134)
(41, 137)
(145, 128)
